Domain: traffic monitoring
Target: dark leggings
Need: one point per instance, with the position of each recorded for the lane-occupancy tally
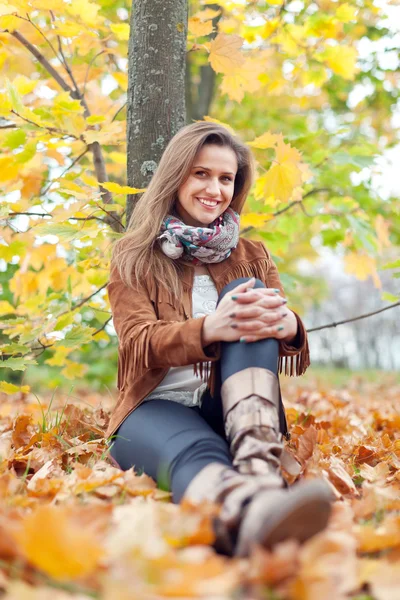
(172, 442)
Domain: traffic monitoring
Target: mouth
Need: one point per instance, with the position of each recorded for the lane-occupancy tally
(208, 204)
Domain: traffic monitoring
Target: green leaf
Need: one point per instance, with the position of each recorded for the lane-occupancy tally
(13, 349)
(77, 336)
(15, 139)
(27, 153)
(390, 297)
(17, 364)
(15, 98)
(392, 265)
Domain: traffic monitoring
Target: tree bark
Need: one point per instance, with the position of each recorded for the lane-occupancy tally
(156, 86)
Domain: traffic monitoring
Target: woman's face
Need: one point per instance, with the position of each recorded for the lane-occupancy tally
(208, 190)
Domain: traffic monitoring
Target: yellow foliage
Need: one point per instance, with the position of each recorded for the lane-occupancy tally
(10, 388)
(56, 545)
(121, 30)
(254, 220)
(362, 266)
(198, 27)
(382, 227)
(116, 188)
(225, 53)
(74, 370)
(341, 59)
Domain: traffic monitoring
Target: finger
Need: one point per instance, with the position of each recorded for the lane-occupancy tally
(242, 287)
(254, 326)
(268, 301)
(276, 332)
(268, 316)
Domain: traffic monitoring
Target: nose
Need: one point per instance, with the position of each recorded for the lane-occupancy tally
(213, 187)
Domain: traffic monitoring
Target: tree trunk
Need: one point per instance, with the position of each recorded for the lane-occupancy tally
(156, 86)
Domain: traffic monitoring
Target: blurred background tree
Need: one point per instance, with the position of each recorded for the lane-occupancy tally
(313, 88)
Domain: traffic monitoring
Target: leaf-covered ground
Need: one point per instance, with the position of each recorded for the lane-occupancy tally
(72, 525)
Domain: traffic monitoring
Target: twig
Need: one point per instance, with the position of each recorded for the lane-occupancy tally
(335, 324)
(101, 328)
(88, 69)
(46, 127)
(288, 207)
(76, 160)
(118, 111)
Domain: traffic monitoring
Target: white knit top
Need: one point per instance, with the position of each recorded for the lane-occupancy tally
(180, 383)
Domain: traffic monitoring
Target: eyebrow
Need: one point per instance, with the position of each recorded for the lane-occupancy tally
(207, 169)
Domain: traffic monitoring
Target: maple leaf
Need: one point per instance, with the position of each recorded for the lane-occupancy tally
(225, 53)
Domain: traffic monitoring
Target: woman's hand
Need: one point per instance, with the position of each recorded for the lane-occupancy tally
(250, 316)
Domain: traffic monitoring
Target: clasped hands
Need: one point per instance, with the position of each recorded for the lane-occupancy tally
(250, 314)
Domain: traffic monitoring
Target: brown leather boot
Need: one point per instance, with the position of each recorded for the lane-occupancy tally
(250, 401)
(254, 510)
(223, 485)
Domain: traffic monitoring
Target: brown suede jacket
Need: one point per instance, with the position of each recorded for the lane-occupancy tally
(156, 333)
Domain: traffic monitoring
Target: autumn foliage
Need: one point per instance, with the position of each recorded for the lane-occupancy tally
(71, 520)
(295, 82)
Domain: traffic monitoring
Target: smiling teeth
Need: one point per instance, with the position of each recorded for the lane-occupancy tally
(207, 202)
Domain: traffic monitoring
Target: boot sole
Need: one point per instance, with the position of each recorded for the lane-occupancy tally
(304, 513)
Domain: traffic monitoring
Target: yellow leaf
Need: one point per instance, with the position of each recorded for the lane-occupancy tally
(281, 180)
(254, 220)
(245, 79)
(115, 188)
(197, 27)
(74, 370)
(225, 53)
(10, 388)
(24, 85)
(122, 80)
(9, 168)
(9, 22)
(285, 152)
(89, 180)
(55, 544)
(6, 308)
(346, 13)
(68, 29)
(121, 30)
(266, 140)
(362, 266)
(270, 27)
(86, 11)
(341, 59)
(118, 157)
(59, 357)
(207, 13)
(211, 120)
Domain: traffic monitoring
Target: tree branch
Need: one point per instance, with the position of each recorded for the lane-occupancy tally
(288, 207)
(42, 60)
(335, 324)
(98, 159)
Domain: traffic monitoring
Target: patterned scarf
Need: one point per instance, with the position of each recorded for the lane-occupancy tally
(211, 244)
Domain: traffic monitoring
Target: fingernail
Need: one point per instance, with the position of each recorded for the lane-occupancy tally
(234, 297)
(234, 326)
(284, 300)
(284, 314)
(280, 328)
(276, 291)
(242, 340)
(232, 315)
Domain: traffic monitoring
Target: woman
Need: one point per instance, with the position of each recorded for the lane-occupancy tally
(203, 330)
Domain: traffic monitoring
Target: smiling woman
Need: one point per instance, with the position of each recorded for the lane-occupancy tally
(208, 191)
(203, 328)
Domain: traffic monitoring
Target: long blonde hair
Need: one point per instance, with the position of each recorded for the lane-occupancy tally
(136, 255)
